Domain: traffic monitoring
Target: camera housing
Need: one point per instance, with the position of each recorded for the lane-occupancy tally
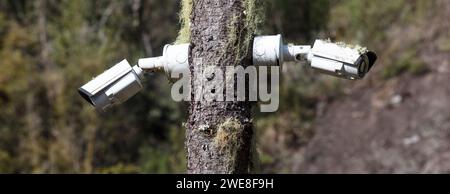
(113, 87)
(121, 82)
(336, 59)
(341, 60)
(268, 50)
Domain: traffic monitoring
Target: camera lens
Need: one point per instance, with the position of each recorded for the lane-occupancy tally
(363, 67)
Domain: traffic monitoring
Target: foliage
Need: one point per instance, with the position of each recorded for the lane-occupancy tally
(49, 49)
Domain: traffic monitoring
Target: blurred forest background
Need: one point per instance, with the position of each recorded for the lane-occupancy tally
(396, 120)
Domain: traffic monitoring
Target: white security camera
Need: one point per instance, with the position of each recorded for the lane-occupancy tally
(336, 59)
(341, 60)
(114, 86)
(121, 82)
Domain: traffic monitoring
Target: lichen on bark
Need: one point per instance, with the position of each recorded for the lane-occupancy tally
(184, 35)
(227, 140)
(241, 37)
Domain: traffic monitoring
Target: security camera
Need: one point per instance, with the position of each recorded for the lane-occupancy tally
(121, 82)
(113, 87)
(336, 59)
(341, 60)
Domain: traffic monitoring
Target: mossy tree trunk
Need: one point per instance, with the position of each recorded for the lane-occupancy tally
(219, 134)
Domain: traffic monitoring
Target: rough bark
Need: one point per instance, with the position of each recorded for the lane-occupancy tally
(219, 134)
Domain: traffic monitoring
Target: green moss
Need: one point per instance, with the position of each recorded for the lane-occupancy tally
(228, 140)
(240, 40)
(360, 48)
(253, 10)
(233, 38)
(184, 35)
(227, 134)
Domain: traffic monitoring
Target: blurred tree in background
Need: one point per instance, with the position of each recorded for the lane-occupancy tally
(49, 48)
(52, 47)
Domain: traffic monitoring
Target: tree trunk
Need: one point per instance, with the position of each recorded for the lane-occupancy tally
(219, 134)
